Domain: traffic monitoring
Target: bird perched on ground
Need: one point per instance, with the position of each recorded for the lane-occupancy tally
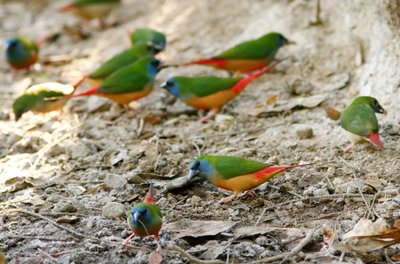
(42, 98)
(360, 120)
(234, 173)
(151, 37)
(128, 83)
(121, 60)
(209, 92)
(247, 56)
(91, 9)
(145, 219)
(21, 52)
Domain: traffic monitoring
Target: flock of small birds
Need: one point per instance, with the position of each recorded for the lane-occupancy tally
(130, 75)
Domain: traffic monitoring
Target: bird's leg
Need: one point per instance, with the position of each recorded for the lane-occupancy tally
(126, 241)
(349, 148)
(209, 115)
(248, 193)
(159, 248)
(229, 198)
(75, 84)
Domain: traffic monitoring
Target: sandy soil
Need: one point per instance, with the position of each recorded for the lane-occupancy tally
(71, 166)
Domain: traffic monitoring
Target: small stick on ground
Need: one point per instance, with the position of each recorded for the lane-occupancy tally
(286, 191)
(292, 253)
(194, 259)
(72, 232)
(48, 256)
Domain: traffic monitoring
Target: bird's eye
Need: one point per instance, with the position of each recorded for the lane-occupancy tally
(155, 62)
(195, 165)
(169, 83)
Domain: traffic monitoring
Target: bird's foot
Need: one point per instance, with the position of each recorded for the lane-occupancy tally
(227, 199)
(349, 148)
(248, 193)
(159, 248)
(126, 241)
(209, 116)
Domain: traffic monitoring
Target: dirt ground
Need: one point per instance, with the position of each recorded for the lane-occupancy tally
(84, 167)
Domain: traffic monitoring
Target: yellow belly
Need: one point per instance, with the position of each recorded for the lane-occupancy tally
(213, 101)
(241, 183)
(126, 98)
(244, 66)
(92, 11)
(50, 106)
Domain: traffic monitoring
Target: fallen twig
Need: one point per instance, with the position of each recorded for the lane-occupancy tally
(72, 232)
(293, 252)
(193, 259)
(48, 256)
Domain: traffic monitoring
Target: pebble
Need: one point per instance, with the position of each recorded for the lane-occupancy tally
(64, 206)
(113, 210)
(115, 181)
(305, 133)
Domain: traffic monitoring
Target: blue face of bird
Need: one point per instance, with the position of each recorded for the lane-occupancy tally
(284, 41)
(171, 86)
(200, 168)
(154, 67)
(139, 215)
(12, 46)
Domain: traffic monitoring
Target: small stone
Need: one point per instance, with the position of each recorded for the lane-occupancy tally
(63, 206)
(320, 192)
(113, 210)
(195, 201)
(305, 133)
(300, 86)
(115, 181)
(133, 178)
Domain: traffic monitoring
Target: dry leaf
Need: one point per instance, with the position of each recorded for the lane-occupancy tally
(155, 258)
(332, 113)
(368, 236)
(328, 236)
(296, 103)
(198, 228)
(272, 100)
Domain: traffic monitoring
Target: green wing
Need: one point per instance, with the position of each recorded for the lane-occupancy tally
(230, 167)
(155, 211)
(30, 46)
(203, 86)
(88, 2)
(126, 80)
(359, 119)
(120, 60)
(263, 48)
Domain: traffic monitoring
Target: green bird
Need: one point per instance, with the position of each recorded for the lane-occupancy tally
(247, 56)
(235, 174)
(42, 98)
(128, 83)
(121, 60)
(360, 121)
(145, 219)
(91, 9)
(151, 37)
(210, 92)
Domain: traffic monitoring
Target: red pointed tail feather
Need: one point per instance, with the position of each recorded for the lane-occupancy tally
(376, 140)
(212, 61)
(240, 85)
(149, 198)
(261, 174)
(91, 91)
